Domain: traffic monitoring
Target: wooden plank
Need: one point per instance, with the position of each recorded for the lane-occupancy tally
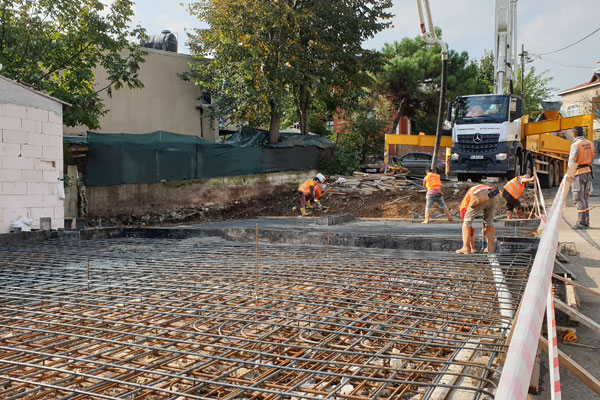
(577, 370)
(567, 270)
(587, 289)
(571, 312)
(571, 295)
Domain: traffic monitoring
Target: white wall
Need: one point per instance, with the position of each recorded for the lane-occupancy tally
(31, 156)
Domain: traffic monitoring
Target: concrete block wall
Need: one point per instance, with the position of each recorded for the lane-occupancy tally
(110, 201)
(31, 161)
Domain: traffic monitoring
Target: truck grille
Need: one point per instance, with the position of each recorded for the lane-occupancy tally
(488, 143)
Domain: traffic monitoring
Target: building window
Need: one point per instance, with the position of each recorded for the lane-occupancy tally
(573, 110)
(329, 125)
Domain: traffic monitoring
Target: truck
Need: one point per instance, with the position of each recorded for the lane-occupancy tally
(491, 136)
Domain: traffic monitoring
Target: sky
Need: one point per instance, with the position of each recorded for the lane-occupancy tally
(543, 26)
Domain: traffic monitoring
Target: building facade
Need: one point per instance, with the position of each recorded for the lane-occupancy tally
(584, 99)
(166, 102)
(31, 157)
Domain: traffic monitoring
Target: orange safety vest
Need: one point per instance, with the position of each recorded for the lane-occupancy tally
(467, 199)
(433, 181)
(515, 187)
(305, 187)
(585, 155)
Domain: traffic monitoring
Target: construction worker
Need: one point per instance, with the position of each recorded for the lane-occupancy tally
(433, 184)
(512, 191)
(488, 209)
(306, 192)
(582, 152)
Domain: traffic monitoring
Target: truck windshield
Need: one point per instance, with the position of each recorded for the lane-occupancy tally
(481, 109)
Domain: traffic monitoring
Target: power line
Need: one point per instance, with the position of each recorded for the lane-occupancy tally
(571, 45)
(563, 63)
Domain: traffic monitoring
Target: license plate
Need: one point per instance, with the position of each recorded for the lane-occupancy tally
(476, 157)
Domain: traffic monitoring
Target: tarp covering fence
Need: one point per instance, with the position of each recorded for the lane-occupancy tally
(115, 159)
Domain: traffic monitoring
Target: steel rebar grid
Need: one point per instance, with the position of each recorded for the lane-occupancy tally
(183, 319)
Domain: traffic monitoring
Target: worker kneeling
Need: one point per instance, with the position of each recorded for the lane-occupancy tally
(481, 199)
(433, 184)
(308, 191)
(512, 191)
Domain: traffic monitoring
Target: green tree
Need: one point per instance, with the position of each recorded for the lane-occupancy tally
(411, 80)
(536, 85)
(55, 45)
(266, 53)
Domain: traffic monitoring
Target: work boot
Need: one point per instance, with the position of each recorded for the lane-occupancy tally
(303, 212)
(308, 205)
(491, 239)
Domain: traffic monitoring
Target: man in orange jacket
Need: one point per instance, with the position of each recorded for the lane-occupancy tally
(488, 209)
(582, 152)
(306, 192)
(512, 191)
(433, 184)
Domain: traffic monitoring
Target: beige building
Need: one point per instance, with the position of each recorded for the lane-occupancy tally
(165, 103)
(31, 157)
(584, 99)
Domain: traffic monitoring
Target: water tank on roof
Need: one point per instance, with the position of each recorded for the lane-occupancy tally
(166, 41)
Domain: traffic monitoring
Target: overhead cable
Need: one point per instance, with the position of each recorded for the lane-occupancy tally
(571, 45)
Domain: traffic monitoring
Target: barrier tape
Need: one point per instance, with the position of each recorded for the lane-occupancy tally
(552, 347)
(516, 374)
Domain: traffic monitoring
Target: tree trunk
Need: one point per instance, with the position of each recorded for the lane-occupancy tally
(303, 98)
(275, 124)
(397, 117)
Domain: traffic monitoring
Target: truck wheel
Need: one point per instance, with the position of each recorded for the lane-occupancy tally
(557, 174)
(462, 177)
(517, 169)
(544, 180)
(530, 166)
(551, 174)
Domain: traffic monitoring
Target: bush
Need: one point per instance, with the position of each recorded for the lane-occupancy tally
(342, 161)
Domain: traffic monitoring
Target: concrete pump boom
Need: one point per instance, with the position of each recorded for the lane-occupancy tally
(505, 49)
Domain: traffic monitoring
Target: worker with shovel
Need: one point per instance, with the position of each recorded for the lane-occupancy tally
(481, 199)
(308, 191)
(433, 184)
(512, 191)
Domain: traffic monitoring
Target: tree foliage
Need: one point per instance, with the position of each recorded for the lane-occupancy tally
(267, 53)
(55, 45)
(411, 80)
(536, 85)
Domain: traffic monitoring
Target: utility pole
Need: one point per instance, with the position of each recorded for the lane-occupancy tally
(523, 55)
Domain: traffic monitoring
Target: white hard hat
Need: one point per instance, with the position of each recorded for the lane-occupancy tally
(321, 177)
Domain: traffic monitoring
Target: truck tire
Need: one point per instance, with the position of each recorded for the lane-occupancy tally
(529, 167)
(557, 174)
(544, 180)
(517, 169)
(462, 177)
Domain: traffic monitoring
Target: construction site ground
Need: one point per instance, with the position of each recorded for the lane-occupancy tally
(257, 304)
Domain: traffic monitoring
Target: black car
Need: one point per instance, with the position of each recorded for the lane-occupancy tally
(417, 163)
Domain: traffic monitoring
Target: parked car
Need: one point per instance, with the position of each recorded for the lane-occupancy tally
(417, 163)
(375, 165)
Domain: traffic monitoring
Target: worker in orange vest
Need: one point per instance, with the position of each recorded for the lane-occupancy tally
(582, 152)
(433, 184)
(512, 191)
(470, 242)
(488, 209)
(307, 192)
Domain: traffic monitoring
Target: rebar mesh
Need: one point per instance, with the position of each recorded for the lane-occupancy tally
(206, 319)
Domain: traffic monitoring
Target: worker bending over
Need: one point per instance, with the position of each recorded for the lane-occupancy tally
(512, 191)
(433, 184)
(470, 245)
(582, 153)
(482, 199)
(308, 191)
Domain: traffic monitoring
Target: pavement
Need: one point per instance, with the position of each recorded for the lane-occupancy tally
(586, 266)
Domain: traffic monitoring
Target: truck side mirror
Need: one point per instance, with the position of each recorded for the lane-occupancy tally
(450, 113)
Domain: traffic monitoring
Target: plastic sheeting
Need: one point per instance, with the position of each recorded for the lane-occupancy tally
(142, 158)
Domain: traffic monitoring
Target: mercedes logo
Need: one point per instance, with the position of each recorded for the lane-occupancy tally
(477, 138)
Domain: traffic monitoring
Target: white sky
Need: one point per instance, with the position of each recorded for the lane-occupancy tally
(467, 25)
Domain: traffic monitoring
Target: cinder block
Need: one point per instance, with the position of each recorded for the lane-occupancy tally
(10, 149)
(11, 214)
(39, 188)
(45, 165)
(50, 176)
(53, 152)
(7, 201)
(37, 139)
(13, 110)
(29, 150)
(10, 175)
(58, 223)
(52, 200)
(14, 136)
(59, 212)
(14, 188)
(10, 123)
(4, 226)
(11, 162)
(31, 175)
(32, 200)
(29, 125)
(52, 129)
(54, 141)
(55, 118)
(37, 114)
